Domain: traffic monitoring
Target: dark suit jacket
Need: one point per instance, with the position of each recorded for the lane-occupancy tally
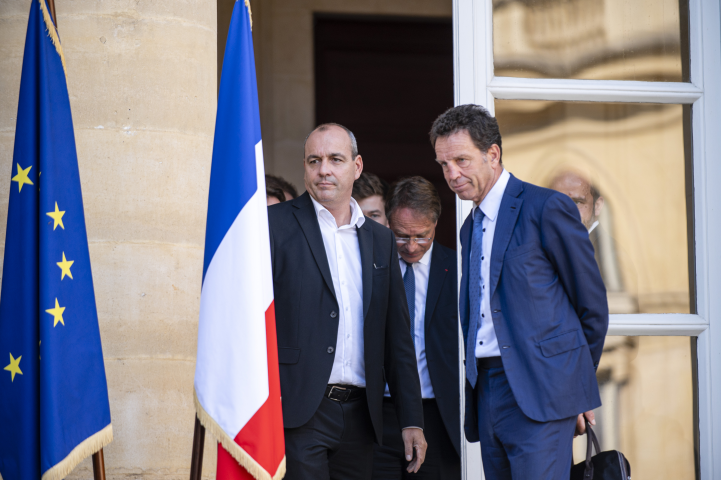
(441, 334)
(306, 313)
(548, 304)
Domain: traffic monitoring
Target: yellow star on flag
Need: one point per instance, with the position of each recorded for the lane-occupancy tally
(22, 177)
(57, 313)
(57, 217)
(14, 367)
(65, 267)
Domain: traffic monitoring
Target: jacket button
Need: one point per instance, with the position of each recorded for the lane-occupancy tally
(333, 314)
(330, 350)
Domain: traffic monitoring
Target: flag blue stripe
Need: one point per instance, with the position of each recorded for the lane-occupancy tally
(233, 179)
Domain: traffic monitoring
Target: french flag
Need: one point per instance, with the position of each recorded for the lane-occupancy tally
(237, 387)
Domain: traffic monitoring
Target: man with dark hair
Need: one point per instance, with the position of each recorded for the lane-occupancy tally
(534, 332)
(342, 322)
(431, 284)
(278, 189)
(370, 193)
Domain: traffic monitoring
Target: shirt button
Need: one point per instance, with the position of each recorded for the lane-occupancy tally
(483, 315)
(347, 336)
(480, 343)
(483, 258)
(330, 350)
(333, 314)
(484, 229)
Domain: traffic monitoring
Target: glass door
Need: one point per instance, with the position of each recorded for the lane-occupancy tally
(617, 104)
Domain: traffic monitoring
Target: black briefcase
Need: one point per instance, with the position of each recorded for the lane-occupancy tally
(611, 465)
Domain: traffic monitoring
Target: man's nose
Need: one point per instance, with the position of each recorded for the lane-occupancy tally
(412, 247)
(453, 172)
(324, 169)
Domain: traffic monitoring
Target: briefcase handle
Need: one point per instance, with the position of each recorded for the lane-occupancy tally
(591, 442)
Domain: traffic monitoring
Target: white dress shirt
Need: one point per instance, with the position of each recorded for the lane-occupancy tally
(344, 260)
(486, 341)
(422, 270)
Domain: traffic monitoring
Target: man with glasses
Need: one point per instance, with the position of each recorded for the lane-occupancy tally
(430, 280)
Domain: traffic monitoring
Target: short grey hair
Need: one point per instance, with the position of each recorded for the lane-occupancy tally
(325, 126)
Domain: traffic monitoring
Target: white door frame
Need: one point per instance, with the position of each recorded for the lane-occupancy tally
(475, 83)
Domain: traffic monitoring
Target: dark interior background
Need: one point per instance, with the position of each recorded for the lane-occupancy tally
(387, 79)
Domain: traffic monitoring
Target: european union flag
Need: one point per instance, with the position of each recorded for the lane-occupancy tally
(54, 407)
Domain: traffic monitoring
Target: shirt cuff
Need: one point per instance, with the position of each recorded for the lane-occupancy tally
(419, 428)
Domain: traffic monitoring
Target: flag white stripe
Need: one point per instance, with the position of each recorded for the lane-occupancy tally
(231, 376)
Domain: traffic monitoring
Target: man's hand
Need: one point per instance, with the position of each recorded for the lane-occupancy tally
(581, 422)
(413, 439)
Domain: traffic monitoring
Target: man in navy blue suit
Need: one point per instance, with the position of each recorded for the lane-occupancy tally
(533, 306)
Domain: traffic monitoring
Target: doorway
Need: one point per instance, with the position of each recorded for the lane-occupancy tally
(387, 79)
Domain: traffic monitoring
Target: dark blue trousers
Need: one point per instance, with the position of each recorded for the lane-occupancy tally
(512, 445)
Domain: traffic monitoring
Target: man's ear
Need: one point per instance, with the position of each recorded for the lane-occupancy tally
(358, 166)
(598, 207)
(494, 154)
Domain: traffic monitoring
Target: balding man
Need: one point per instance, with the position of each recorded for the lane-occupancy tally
(342, 321)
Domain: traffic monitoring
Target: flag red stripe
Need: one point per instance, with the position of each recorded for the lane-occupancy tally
(262, 437)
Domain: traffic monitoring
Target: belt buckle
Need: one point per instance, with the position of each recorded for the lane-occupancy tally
(342, 394)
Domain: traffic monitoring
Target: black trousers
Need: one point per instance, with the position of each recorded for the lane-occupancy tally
(336, 443)
(442, 461)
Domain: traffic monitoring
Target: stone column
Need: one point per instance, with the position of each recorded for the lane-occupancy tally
(143, 83)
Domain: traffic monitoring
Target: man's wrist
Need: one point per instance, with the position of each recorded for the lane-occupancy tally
(419, 428)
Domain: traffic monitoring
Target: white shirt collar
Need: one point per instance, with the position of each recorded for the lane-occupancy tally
(357, 218)
(492, 203)
(595, 224)
(425, 259)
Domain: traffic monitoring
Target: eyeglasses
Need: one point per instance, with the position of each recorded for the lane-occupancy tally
(419, 241)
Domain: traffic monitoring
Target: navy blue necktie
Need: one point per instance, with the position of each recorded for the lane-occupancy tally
(474, 294)
(409, 281)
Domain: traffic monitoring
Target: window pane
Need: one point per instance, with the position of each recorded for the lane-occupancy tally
(646, 388)
(591, 39)
(624, 166)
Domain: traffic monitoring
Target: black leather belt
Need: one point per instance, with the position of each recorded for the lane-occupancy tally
(489, 362)
(344, 393)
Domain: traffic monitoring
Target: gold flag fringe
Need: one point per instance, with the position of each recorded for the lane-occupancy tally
(250, 13)
(53, 33)
(240, 455)
(90, 446)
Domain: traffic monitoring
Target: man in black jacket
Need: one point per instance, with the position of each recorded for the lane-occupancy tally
(431, 283)
(342, 321)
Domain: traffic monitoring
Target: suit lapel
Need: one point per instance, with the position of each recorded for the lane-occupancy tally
(436, 278)
(365, 242)
(507, 216)
(466, 232)
(308, 220)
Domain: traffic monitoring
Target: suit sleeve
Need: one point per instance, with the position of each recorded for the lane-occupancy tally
(565, 241)
(400, 357)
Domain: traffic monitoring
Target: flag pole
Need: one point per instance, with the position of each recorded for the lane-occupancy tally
(196, 461)
(98, 457)
(51, 7)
